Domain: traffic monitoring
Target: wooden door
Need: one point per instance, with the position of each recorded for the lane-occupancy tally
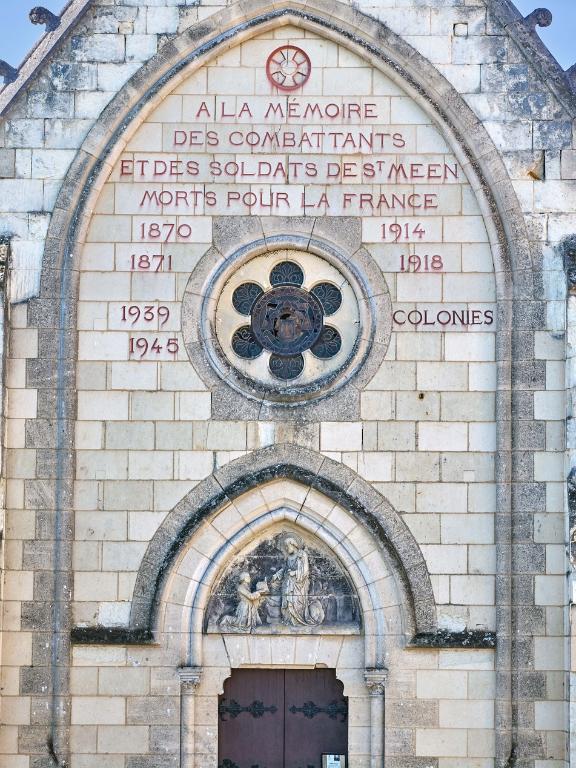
(272, 718)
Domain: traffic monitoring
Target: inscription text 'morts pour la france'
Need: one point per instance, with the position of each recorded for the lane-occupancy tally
(216, 126)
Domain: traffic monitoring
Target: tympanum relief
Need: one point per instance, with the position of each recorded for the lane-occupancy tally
(283, 585)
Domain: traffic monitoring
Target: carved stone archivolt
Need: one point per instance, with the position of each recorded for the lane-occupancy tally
(283, 585)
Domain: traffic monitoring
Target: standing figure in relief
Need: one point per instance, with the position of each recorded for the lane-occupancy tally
(296, 606)
(247, 616)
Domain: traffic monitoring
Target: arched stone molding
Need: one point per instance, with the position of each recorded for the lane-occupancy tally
(193, 577)
(318, 486)
(206, 660)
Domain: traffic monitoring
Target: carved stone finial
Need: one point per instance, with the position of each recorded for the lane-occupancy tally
(568, 251)
(7, 72)
(376, 681)
(541, 17)
(40, 15)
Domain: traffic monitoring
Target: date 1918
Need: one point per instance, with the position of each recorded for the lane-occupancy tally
(425, 263)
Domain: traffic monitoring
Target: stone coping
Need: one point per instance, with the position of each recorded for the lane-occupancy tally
(443, 639)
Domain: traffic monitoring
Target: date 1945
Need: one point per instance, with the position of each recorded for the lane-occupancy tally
(142, 347)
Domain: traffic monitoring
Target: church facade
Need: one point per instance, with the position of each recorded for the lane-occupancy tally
(288, 458)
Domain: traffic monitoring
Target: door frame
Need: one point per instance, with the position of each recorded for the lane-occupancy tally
(280, 690)
(201, 687)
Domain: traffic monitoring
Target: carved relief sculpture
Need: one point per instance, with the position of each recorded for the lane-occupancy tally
(283, 585)
(296, 606)
(246, 616)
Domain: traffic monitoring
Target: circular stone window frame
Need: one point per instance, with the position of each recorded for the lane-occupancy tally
(212, 273)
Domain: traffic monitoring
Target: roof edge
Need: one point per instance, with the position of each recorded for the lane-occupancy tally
(504, 11)
(38, 55)
(535, 51)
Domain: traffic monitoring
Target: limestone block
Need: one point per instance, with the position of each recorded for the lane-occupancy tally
(479, 50)
(24, 133)
(113, 76)
(376, 405)
(21, 195)
(551, 715)
(98, 47)
(113, 614)
(550, 653)
(438, 436)
(90, 104)
(441, 376)
(194, 406)
(123, 739)
(445, 558)
(396, 436)
(472, 590)
(84, 682)
(549, 590)
(425, 528)
(439, 742)
(148, 464)
(100, 464)
(161, 404)
(443, 498)
(548, 466)
(568, 164)
(140, 47)
(467, 714)
(394, 376)
(122, 556)
(418, 466)
(434, 48)
(98, 710)
(441, 684)
(95, 586)
(130, 495)
(143, 525)
(335, 436)
(550, 405)
(470, 528)
(98, 656)
(160, 19)
(128, 375)
(474, 347)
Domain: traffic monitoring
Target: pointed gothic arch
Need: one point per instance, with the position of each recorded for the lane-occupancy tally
(316, 475)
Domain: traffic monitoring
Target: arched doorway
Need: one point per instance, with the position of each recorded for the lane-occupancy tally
(282, 718)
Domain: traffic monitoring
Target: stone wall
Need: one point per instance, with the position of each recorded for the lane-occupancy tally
(428, 432)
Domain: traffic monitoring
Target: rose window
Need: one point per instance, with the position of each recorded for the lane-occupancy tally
(287, 319)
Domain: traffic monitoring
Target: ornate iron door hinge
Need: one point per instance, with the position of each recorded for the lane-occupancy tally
(256, 709)
(310, 710)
